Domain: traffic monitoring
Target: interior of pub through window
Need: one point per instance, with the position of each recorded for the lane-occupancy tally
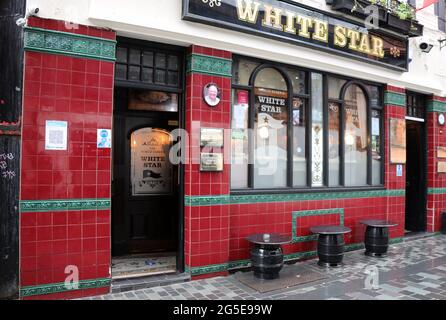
(298, 128)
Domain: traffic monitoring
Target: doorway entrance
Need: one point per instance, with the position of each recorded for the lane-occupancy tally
(416, 188)
(147, 187)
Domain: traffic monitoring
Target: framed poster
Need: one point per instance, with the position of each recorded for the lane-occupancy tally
(151, 169)
(397, 141)
(56, 135)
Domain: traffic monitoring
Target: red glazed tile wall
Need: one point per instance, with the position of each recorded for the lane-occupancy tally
(436, 203)
(206, 228)
(79, 91)
(205, 225)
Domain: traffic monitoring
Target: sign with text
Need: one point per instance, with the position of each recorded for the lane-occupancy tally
(292, 22)
(151, 170)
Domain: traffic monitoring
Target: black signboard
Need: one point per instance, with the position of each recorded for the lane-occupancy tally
(299, 24)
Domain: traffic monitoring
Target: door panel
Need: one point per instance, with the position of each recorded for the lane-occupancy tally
(415, 180)
(145, 195)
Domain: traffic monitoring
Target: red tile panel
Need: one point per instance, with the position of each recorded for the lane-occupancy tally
(79, 91)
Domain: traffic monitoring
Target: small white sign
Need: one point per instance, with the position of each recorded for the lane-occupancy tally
(56, 135)
(104, 138)
(399, 170)
(375, 127)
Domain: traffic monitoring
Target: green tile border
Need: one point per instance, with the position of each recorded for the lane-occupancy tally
(195, 271)
(209, 65)
(395, 98)
(307, 213)
(436, 191)
(436, 106)
(65, 43)
(64, 205)
(288, 197)
(206, 200)
(61, 287)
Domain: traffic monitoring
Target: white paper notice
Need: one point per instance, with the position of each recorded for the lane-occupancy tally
(56, 135)
(104, 138)
(375, 127)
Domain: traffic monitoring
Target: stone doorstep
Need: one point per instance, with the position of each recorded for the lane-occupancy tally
(123, 285)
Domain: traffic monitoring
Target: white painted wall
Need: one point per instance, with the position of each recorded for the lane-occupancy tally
(160, 20)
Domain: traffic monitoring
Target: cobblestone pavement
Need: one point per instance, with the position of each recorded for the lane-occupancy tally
(412, 270)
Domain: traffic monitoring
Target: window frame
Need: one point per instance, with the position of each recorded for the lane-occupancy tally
(307, 97)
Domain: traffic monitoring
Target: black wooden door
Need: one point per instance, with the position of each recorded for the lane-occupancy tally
(415, 177)
(145, 184)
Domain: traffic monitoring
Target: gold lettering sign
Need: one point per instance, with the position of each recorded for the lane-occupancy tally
(308, 27)
(292, 22)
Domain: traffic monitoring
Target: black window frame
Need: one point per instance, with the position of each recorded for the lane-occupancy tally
(281, 68)
(155, 48)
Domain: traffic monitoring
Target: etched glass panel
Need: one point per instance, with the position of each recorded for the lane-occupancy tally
(317, 160)
(239, 139)
(333, 144)
(355, 137)
(270, 127)
(151, 170)
(299, 143)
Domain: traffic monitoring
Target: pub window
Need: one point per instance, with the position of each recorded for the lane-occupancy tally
(415, 105)
(293, 128)
(145, 66)
(354, 115)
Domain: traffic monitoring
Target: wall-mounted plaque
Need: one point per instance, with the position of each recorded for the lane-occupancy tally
(397, 141)
(441, 152)
(211, 162)
(441, 167)
(211, 137)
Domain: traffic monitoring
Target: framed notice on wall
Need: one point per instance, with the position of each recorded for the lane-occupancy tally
(397, 141)
(56, 135)
(441, 152)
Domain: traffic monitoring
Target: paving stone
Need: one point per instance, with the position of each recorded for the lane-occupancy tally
(413, 270)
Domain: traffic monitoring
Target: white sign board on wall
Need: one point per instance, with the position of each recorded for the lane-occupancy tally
(56, 135)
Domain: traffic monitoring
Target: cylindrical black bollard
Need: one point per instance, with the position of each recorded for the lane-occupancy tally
(376, 241)
(267, 261)
(330, 248)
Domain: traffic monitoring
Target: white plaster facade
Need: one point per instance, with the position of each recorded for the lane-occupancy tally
(160, 21)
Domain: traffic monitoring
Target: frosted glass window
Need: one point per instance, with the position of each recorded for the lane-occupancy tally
(317, 132)
(239, 139)
(334, 160)
(299, 136)
(270, 127)
(355, 136)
